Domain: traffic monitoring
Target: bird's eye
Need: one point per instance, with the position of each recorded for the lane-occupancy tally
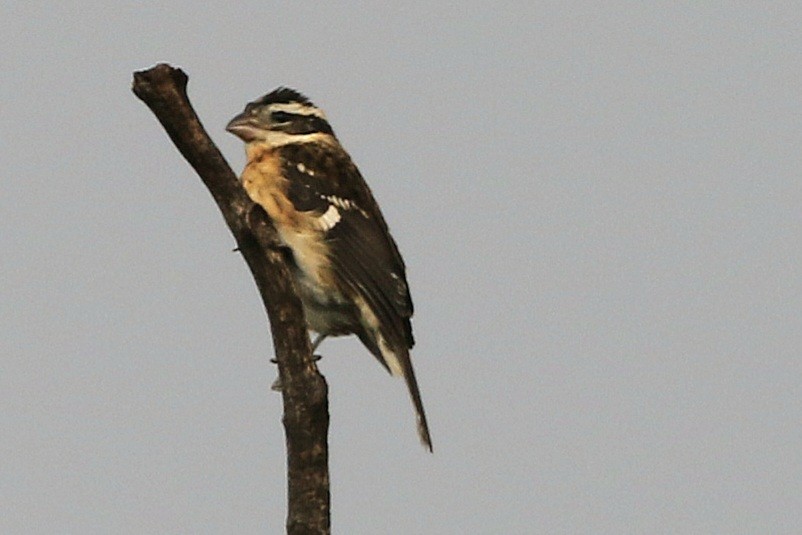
(281, 116)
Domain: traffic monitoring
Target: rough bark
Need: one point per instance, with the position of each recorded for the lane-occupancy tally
(305, 393)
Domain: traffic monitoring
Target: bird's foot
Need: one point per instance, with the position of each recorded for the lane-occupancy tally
(276, 386)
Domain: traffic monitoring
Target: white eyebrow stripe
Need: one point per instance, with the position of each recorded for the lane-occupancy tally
(298, 109)
(276, 138)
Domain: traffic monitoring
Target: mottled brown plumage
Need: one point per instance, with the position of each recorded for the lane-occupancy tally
(350, 275)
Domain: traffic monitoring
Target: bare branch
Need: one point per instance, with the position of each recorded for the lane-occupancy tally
(305, 393)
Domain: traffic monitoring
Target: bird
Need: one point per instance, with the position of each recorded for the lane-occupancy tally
(347, 268)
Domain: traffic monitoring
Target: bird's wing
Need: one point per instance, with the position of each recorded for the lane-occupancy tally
(365, 259)
(364, 256)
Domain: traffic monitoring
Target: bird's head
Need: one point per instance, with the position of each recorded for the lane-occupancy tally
(281, 117)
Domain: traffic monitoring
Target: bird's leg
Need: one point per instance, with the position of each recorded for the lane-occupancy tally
(316, 342)
(276, 386)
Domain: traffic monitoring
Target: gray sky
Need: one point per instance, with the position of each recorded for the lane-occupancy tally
(600, 212)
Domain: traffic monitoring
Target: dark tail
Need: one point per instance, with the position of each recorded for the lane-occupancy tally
(397, 362)
(414, 393)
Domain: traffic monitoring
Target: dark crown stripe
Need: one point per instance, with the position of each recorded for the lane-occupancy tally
(284, 95)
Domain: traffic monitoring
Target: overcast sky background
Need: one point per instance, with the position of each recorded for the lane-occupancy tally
(600, 206)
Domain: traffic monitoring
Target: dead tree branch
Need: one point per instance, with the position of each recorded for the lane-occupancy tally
(305, 393)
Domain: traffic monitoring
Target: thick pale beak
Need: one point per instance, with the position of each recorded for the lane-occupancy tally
(244, 126)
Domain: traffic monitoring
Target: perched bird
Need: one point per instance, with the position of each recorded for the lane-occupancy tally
(348, 271)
